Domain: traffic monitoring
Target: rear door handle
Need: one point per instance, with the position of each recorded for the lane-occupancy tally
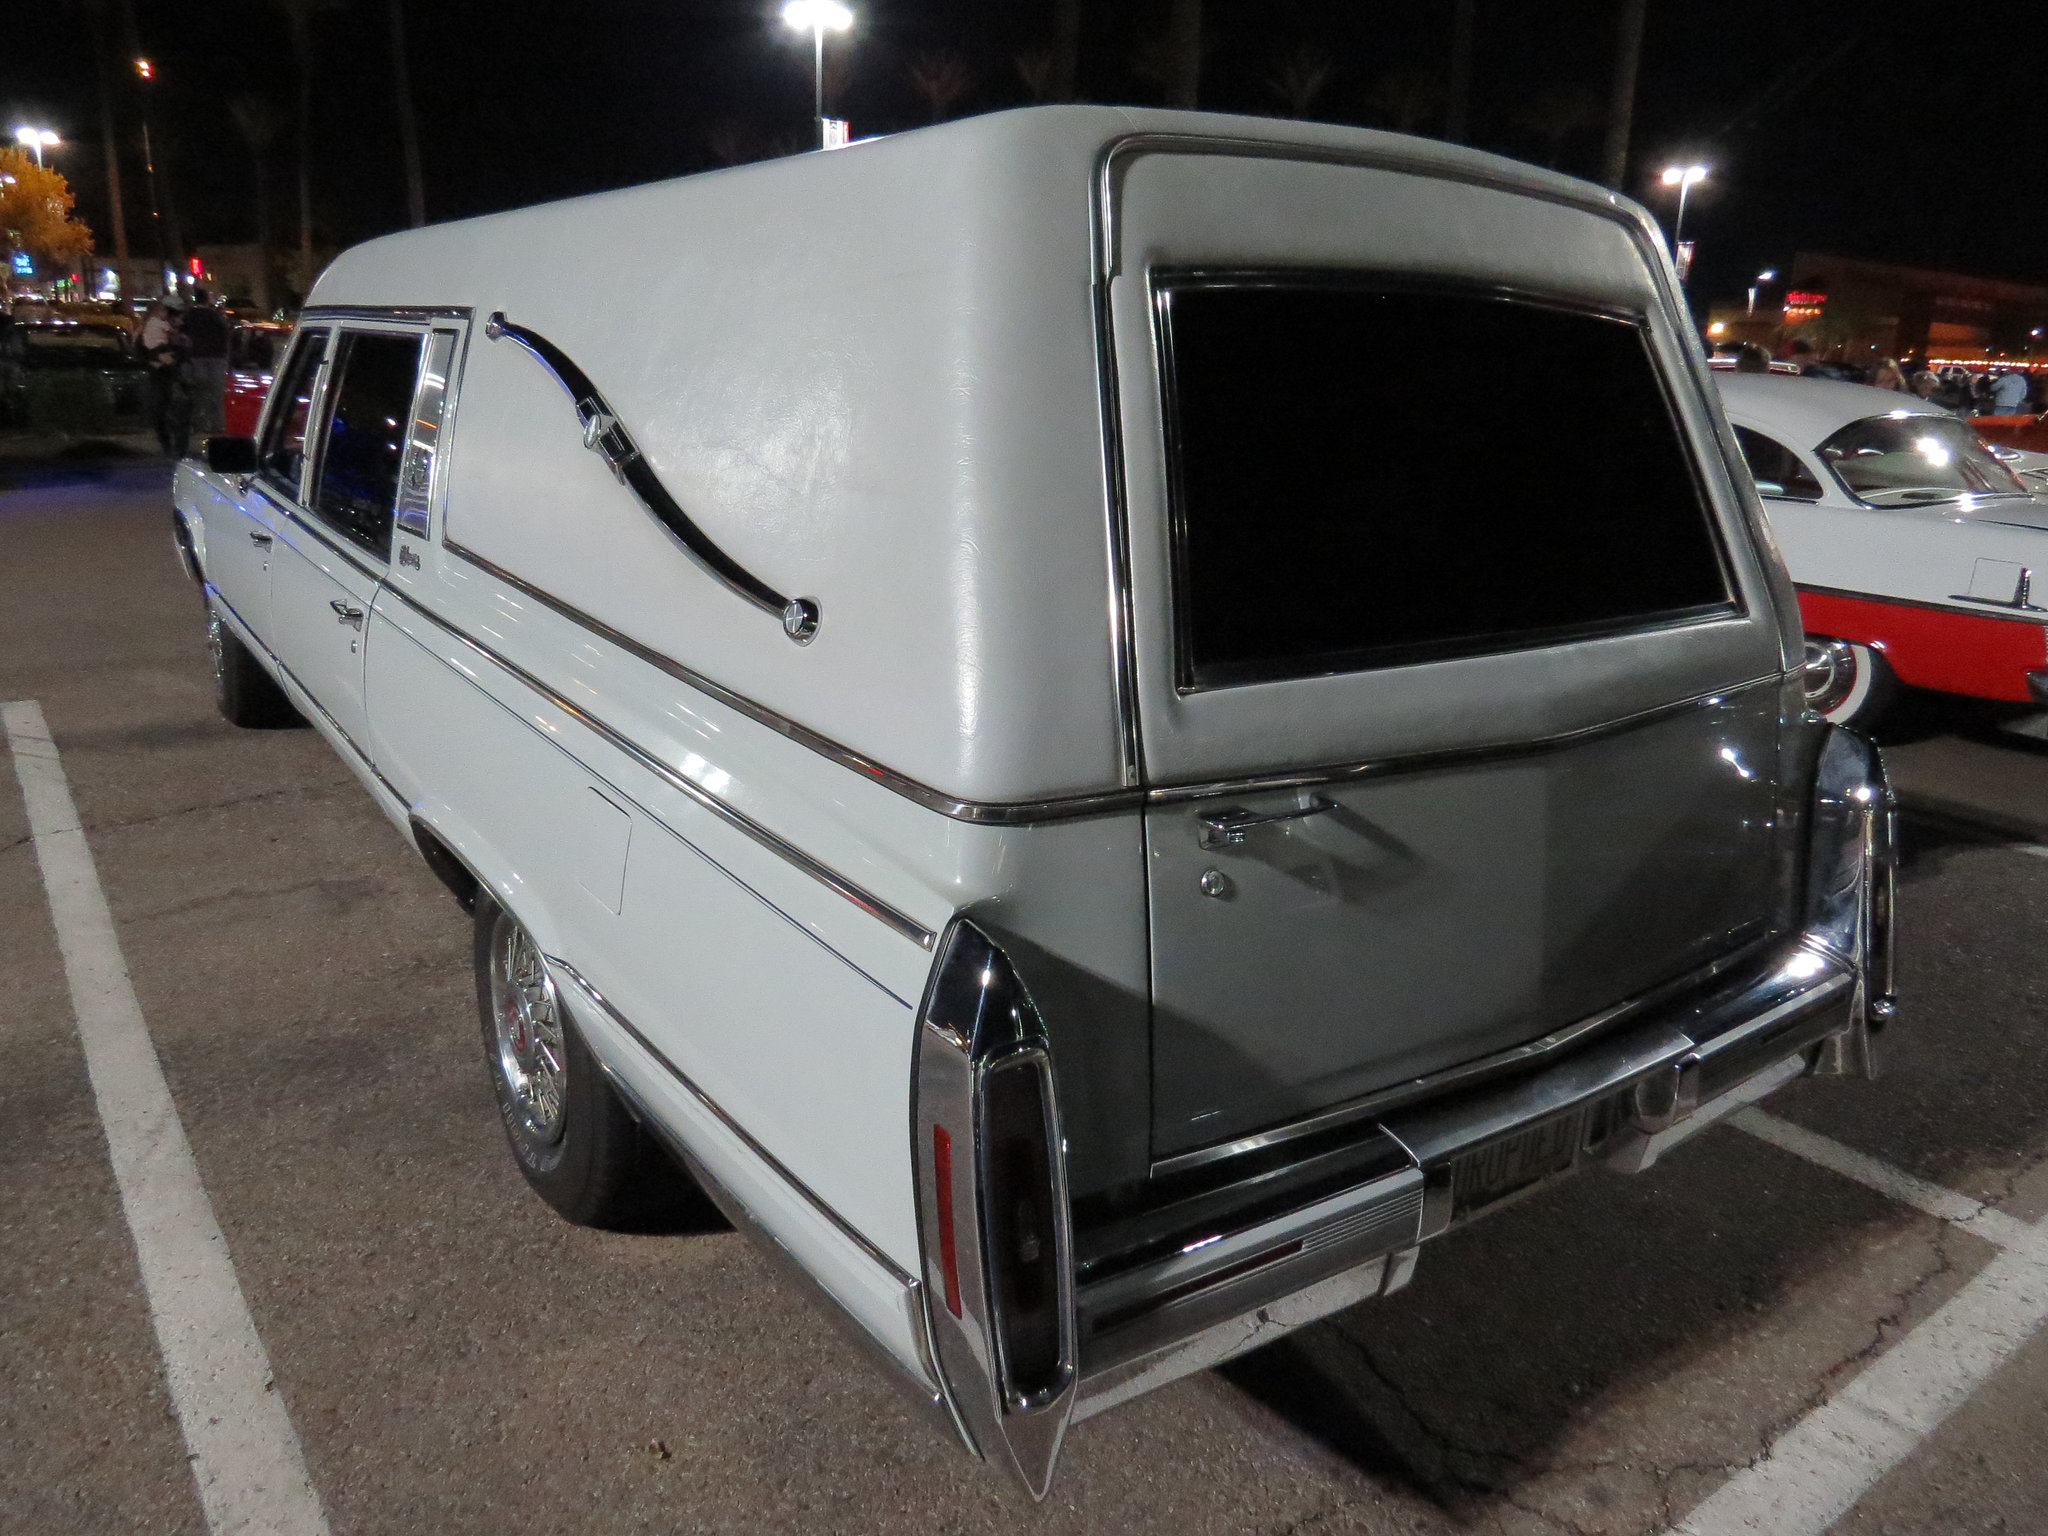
(344, 614)
(261, 539)
(1222, 828)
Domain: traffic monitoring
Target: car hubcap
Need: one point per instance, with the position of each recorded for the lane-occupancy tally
(528, 1020)
(214, 655)
(1830, 675)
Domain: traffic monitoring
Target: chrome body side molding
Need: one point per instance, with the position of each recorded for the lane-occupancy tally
(986, 813)
(927, 1390)
(607, 437)
(781, 847)
(1185, 1298)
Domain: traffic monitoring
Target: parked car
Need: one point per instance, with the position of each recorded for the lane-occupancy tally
(1912, 545)
(967, 714)
(253, 350)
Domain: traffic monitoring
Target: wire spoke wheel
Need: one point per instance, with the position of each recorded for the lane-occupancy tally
(526, 1016)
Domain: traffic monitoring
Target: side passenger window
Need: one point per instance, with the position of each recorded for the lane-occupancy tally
(284, 439)
(1776, 469)
(374, 375)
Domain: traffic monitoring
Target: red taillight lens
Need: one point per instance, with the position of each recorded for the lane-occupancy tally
(949, 1258)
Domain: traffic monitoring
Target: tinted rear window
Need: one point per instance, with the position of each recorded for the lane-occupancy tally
(1367, 477)
(366, 436)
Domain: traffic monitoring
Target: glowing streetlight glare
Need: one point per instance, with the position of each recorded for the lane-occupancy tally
(1684, 176)
(145, 69)
(817, 15)
(37, 140)
(1767, 276)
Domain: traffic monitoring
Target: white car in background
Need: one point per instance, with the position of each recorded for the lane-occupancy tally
(1912, 545)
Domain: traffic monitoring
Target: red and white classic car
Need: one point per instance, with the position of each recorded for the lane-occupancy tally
(1912, 545)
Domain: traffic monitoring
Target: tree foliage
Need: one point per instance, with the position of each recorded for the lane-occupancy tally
(35, 211)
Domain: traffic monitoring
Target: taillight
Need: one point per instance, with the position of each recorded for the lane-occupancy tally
(992, 1207)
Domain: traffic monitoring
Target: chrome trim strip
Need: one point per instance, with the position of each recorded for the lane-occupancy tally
(775, 1164)
(1466, 1074)
(787, 851)
(404, 313)
(1423, 762)
(990, 813)
(1122, 614)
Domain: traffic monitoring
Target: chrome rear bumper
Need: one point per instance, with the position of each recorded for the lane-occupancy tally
(1811, 1006)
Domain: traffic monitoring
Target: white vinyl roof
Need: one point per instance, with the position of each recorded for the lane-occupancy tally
(1809, 411)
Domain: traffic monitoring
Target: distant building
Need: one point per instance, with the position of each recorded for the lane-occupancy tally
(1860, 311)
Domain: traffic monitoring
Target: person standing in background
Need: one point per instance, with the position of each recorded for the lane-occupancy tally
(170, 385)
(2009, 393)
(206, 329)
(1888, 376)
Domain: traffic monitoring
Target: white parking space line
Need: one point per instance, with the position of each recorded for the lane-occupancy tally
(244, 1454)
(1893, 1183)
(1818, 1469)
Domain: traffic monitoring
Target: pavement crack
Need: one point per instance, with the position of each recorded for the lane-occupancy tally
(193, 810)
(1465, 1468)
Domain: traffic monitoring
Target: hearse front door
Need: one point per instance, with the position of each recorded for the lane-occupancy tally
(332, 553)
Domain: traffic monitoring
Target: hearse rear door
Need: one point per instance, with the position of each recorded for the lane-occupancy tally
(1456, 670)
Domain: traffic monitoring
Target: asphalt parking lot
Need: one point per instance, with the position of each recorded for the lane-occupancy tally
(1766, 1322)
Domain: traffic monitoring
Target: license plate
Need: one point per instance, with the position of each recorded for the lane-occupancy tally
(1489, 1174)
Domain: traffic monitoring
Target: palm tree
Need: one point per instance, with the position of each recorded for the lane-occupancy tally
(1184, 53)
(299, 16)
(1298, 78)
(1556, 116)
(256, 121)
(942, 78)
(408, 125)
(1464, 22)
(1405, 97)
(1066, 49)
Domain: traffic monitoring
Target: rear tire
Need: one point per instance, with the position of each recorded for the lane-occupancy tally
(1848, 683)
(246, 695)
(573, 1139)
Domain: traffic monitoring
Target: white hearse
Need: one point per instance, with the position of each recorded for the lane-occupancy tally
(975, 700)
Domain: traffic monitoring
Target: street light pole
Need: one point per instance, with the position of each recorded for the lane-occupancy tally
(817, 17)
(1761, 278)
(1685, 178)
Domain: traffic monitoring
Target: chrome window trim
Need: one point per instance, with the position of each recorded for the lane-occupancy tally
(1161, 283)
(412, 314)
(994, 813)
(780, 846)
(317, 465)
(270, 406)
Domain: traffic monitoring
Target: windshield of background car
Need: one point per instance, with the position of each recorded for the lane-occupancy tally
(1902, 461)
(1337, 506)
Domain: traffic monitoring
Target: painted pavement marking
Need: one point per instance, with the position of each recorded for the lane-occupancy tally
(1819, 1468)
(244, 1454)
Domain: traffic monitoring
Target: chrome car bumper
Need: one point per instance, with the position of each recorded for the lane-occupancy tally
(1813, 1005)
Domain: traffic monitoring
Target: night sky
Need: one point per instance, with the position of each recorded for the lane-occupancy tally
(1900, 131)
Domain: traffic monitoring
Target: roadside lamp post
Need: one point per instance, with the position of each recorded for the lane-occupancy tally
(146, 71)
(1685, 178)
(1761, 278)
(818, 17)
(37, 140)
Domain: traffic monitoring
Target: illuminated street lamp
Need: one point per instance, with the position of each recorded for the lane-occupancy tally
(818, 17)
(1765, 276)
(37, 140)
(1685, 178)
